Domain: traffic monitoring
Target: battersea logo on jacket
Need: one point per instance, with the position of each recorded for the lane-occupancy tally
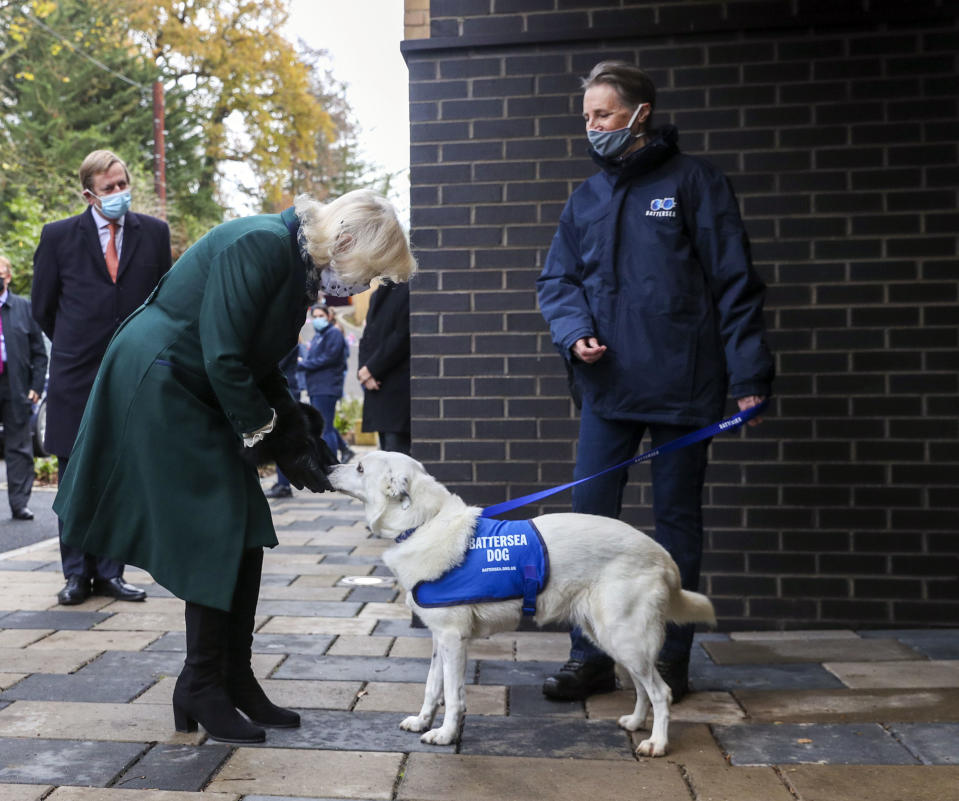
(506, 559)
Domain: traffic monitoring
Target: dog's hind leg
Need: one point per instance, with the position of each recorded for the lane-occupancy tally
(431, 697)
(638, 717)
(659, 696)
(452, 648)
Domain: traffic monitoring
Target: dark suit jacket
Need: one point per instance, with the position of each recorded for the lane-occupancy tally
(26, 365)
(79, 307)
(385, 350)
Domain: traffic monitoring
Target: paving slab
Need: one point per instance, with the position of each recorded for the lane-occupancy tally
(358, 668)
(26, 660)
(20, 638)
(52, 620)
(551, 737)
(933, 643)
(324, 774)
(384, 611)
(493, 671)
(80, 686)
(318, 625)
(174, 767)
(399, 628)
(727, 783)
(145, 621)
(376, 594)
(139, 723)
(97, 640)
(528, 699)
(728, 678)
(309, 608)
(873, 782)
(932, 673)
(296, 592)
(311, 581)
(766, 652)
(697, 707)
(353, 559)
(433, 777)
(23, 792)
(332, 730)
(413, 647)
(850, 706)
(816, 743)
(405, 698)
(287, 692)
(346, 645)
(113, 794)
(932, 743)
(794, 634)
(9, 679)
(46, 761)
(262, 643)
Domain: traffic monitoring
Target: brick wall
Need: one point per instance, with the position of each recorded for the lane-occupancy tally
(837, 124)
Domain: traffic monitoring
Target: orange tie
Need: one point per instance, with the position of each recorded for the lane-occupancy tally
(113, 261)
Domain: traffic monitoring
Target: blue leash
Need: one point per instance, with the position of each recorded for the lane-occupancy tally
(674, 445)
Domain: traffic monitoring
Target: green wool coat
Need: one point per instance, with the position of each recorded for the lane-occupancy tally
(156, 477)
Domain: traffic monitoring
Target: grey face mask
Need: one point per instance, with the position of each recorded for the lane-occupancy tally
(609, 144)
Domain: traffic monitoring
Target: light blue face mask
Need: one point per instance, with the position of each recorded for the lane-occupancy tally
(610, 144)
(320, 323)
(113, 207)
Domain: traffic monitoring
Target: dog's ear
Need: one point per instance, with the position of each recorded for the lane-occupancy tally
(393, 487)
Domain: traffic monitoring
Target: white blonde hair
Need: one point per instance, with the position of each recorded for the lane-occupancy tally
(358, 235)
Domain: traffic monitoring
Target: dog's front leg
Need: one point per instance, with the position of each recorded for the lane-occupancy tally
(452, 648)
(431, 698)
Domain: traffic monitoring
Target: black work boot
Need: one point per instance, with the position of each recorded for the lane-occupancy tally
(200, 695)
(241, 684)
(675, 672)
(577, 680)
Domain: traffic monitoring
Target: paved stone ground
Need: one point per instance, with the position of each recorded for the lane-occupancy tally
(85, 709)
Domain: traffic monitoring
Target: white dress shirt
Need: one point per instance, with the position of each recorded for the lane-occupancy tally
(103, 229)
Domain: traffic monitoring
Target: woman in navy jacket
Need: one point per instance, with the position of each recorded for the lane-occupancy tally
(324, 367)
(651, 298)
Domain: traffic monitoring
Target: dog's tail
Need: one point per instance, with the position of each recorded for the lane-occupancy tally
(690, 607)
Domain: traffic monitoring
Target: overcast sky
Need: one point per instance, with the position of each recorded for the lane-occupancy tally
(363, 39)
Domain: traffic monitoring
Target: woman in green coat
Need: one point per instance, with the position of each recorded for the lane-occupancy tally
(158, 478)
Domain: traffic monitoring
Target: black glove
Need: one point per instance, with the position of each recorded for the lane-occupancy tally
(296, 445)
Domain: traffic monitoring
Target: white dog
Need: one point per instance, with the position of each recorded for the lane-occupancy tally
(614, 582)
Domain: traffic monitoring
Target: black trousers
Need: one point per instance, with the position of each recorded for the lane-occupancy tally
(77, 563)
(17, 447)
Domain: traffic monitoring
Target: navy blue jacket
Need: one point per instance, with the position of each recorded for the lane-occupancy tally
(651, 257)
(79, 307)
(325, 362)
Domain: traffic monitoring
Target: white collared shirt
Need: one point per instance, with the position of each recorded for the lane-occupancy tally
(103, 229)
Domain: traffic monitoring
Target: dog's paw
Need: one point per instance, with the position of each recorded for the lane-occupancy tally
(438, 737)
(632, 722)
(414, 723)
(651, 748)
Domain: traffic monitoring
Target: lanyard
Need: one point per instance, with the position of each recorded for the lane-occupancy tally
(673, 445)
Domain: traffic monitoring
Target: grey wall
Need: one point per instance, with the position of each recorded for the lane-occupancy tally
(837, 126)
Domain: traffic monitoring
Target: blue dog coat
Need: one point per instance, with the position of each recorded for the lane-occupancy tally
(506, 559)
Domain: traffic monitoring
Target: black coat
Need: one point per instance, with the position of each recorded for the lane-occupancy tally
(385, 350)
(79, 307)
(26, 364)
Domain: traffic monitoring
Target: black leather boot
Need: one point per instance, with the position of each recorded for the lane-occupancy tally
(200, 695)
(242, 685)
(577, 680)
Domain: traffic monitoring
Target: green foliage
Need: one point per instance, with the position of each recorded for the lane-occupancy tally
(45, 469)
(349, 414)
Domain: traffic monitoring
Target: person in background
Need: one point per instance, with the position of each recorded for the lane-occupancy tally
(23, 373)
(90, 272)
(385, 372)
(652, 300)
(324, 367)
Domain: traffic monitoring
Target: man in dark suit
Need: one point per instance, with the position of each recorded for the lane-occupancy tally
(90, 272)
(22, 375)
